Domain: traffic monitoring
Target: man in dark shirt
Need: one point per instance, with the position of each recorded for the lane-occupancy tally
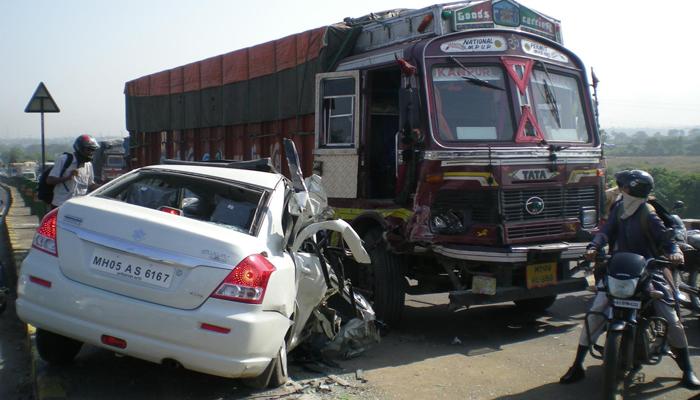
(625, 231)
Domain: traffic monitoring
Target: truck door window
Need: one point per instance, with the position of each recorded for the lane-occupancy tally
(467, 111)
(338, 110)
(558, 107)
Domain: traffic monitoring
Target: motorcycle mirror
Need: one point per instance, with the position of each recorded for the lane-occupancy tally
(301, 194)
(678, 205)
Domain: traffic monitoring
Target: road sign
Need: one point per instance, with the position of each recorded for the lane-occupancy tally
(41, 101)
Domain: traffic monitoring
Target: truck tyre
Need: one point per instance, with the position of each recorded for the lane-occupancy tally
(386, 280)
(56, 349)
(536, 305)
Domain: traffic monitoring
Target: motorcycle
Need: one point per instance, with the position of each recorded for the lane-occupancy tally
(634, 334)
(689, 243)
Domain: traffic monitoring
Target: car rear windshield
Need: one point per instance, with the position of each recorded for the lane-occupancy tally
(223, 203)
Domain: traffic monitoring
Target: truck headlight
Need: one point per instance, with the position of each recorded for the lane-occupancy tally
(589, 217)
(622, 288)
(446, 222)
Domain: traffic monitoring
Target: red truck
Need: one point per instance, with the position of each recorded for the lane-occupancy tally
(459, 140)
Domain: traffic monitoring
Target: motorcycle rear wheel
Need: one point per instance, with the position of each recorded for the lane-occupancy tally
(612, 373)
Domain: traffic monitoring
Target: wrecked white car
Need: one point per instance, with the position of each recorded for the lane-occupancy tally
(215, 269)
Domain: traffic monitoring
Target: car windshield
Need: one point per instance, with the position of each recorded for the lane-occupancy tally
(466, 107)
(200, 198)
(558, 108)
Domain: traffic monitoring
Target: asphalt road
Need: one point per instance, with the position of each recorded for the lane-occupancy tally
(489, 352)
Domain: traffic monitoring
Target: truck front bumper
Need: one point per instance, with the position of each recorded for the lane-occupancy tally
(513, 254)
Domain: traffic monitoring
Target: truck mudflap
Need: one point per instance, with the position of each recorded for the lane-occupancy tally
(503, 294)
(512, 254)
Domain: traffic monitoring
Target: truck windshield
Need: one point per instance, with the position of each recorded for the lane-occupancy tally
(115, 162)
(468, 111)
(557, 105)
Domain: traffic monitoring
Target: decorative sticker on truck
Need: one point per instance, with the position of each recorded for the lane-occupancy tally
(475, 44)
(477, 15)
(539, 174)
(542, 51)
(446, 74)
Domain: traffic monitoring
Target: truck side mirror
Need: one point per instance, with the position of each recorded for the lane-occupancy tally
(408, 109)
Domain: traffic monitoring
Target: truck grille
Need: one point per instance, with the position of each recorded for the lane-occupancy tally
(559, 202)
(481, 204)
(530, 231)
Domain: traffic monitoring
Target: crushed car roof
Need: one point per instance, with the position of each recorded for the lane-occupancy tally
(263, 179)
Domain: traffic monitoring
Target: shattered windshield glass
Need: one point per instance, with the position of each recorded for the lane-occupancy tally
(467, 109)
(557, 106)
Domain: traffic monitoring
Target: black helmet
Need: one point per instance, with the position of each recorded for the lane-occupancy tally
(85, 142)
(640, 183)
(622, 177)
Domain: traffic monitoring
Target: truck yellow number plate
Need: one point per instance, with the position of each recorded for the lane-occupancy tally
(541, 275)
(483, 285)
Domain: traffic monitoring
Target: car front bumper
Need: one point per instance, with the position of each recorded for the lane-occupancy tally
(152, 332)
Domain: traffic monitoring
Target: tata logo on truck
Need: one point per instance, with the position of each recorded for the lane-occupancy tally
(533, 175)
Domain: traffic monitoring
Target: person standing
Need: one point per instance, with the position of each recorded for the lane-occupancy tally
(79, 178)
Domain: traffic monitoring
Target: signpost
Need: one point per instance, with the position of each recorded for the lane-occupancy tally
(42, 102)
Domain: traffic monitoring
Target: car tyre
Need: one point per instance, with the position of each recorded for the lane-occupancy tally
(536, 305)
(56, 349)
(388, 285)
(274, 375)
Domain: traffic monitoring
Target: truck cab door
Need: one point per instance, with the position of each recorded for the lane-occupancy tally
(336, 156)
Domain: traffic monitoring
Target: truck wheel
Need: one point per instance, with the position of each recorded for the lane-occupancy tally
(56, 349)
(386, 282)
(536, 305)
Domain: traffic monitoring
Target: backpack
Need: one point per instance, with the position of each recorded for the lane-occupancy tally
(651, 206)
(44, 191)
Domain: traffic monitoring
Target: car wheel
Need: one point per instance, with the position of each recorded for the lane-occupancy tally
(274, 375)
(56, 349)
(536, 305)
(386, 282)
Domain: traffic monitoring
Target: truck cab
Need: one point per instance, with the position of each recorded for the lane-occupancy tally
(473, 151)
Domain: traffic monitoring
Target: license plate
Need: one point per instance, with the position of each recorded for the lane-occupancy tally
(636, 304)
(483, 285)
(541, 275)
(131, 268)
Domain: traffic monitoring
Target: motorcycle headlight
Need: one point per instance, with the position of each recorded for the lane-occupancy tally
(622, 288)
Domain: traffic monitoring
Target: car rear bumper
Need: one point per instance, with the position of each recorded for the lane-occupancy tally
(152, 332)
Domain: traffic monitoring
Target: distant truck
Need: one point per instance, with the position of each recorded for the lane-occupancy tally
(460, 141)
(109, 160)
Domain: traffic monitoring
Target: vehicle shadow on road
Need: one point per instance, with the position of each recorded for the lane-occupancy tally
(591, 387)
(429, 330)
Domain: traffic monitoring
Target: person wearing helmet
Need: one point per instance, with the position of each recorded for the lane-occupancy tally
(624, 231)
(78, 178)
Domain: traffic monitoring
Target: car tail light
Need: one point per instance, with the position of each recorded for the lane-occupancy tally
(170, 210)
(45, 236)
(246, 282)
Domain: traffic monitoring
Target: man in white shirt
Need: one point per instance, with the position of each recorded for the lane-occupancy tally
(79, 177)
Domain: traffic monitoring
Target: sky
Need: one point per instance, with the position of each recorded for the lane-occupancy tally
(645, 53)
